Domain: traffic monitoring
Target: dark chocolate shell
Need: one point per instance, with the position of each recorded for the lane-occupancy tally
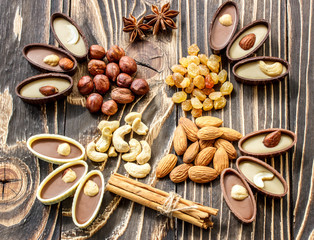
(244, 210)
(272, 151)
(262, 81)
(40, 51)
(228, 7)
(44, 99)
(255, 47)
(70, 20)
(268, 168)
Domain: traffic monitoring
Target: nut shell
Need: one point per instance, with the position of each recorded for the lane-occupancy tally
(96, 52)
(128, 65)
(94, 102)
(115, 53)
(109, 107)
(122, 95)
(96, 67)
(102, 83)
(139, 86)
(124, 80)
(85, 85)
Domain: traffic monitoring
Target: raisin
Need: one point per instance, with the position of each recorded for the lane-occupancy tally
(226, 88)
(185, 83)
(222, 75)
(215, 95)
(203, 58)
(199, 94)
(213, 66)
(209, 83)
(187, 105)
(179, 97)
(169, 80)
(220, 103)
(177, 78)
(196, 112)
(190, 88)
(199, 82)
(215, 58)
(193, 59)
(208, 104)
(203, 69)
(193, 70)
(184, 62)
(196, 103)
(178, 69)
(208, 91)
(214, 77)
(193, 49)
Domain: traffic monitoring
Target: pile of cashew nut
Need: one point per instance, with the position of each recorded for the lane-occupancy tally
(112, 141)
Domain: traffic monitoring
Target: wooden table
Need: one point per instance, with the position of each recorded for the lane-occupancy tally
(286, 104)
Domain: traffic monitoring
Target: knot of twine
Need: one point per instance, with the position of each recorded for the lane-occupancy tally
(170, 204)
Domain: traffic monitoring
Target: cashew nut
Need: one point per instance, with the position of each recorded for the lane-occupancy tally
(118, 138)
(239, 192)
(145, 155)
(64, 149)
(94, 155)
(137, 171)
(139, 127)
(130, 117)
(271, 70)
(112, 152)
(104, 141)
(260, 177)
(135, 150)
(113, 125)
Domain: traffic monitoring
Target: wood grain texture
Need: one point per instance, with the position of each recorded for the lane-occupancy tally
(286, 105)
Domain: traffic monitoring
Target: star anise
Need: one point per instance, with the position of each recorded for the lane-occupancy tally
(137, 28)
(162, 17)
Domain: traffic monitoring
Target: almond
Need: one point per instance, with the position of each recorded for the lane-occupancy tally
(221, 160)
(202, 174)
(272, 139)
(231, 151)
(180, 142)
(247, 41)
(191, 153)
(209, 133)
(208, 121)
(206, 143)
(180, 173)
(205, 156)
(230, 134)
(165, 165)
(190, 128)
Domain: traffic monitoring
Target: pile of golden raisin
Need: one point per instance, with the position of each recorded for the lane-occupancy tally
(198, 75)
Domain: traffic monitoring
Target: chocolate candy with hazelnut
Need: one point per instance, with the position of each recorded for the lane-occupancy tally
(127, 65)
(112, 71)
(85, 85)
(109, 107)
(94, 102)
(96, 67)
(122, 95)
(66, 64)
(139, 86)
(102, 83)
(124, 80)
(96, 52)
(115, 53)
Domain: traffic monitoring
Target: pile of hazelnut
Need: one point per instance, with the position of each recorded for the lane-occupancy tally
(118, 69)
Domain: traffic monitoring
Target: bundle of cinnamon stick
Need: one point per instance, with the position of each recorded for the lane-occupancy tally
(156, 199)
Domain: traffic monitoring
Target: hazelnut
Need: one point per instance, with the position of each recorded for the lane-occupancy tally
(112, 71)
(115, 53)
(48, 90)
(68, 175)
(122, 95)
(91, 188)
(66, 64)
(124, 80)
(102, 83)
(64, 149)
(96, 52)
(94, 102)
(139, 86)
(96, 67)
(85, 85)
(127, 65)
(109, 107)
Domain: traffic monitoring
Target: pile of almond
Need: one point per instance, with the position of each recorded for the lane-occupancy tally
(210, 143)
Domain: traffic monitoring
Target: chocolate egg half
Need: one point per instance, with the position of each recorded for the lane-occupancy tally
(69, 35)
(261, 70)
(252, 144)
(248, 40)
(85, 208)
(244, 209)
(262, 176)
(47, 148)
(54, 188)
(46, 57)
(223, 26)
(44, 88)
